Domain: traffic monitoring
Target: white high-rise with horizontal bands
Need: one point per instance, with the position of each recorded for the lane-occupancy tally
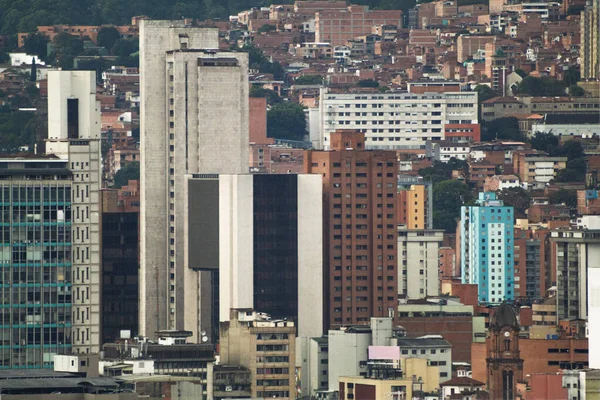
(394, 120)
(194, 120)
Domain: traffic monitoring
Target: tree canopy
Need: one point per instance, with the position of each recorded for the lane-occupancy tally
(568, 197)
(441, 171)
(518, 198)
(544, 86)
(130, 171)
(448, 197)
(544, 141)
(25, 16)
(272, 96)
(309, 80)
(267, 28)
(107, 36)
(37, 44)
(485, 92)
(368, 83)
(286, 120)
(502, 128)
(18, 129)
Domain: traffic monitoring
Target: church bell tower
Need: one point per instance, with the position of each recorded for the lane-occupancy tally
(504, 362)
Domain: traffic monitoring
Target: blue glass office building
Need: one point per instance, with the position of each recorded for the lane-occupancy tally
(35, 262)
(487, 248)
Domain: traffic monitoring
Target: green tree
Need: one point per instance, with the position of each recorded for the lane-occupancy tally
(506, 128)
(564, 196)
(107, 36)
(33, 74)
(18, 129)
(36, 44)
(309, 80)
(545, 142)
(368, 83)
(448, 197)
(576, 91)
(267, 28)
(544, 86)
(130, 171)
(571, 149)
(574, 171)
(441, 171)
(124, 47)
(571, 77)
(485, 92)
(286, 120)
(272, 96)
(518, 198)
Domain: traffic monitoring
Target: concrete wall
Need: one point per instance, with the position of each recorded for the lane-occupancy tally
(420, 259)
(348, 350)
(190, 123)
(310, 255)
(236, 277)
(593, 291)
(63, 85)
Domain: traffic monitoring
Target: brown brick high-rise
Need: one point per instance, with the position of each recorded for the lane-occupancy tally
(360, 230)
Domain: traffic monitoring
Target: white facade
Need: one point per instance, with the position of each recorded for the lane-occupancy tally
(395, 121)
(444, 151)
(431, 347)
(418, 262)
(74, 134)
(588, 222)
(583, 130)
(194, 119)
(17, 59)
(312, 357)
(348, 351)
(508, 182)
(73, 85)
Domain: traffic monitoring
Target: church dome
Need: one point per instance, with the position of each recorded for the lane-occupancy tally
(505, 316)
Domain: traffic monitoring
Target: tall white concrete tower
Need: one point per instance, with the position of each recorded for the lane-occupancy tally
(74, 135)
(194, 120)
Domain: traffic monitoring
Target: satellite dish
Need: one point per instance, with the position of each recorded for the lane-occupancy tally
(203, 333)
(204, 339)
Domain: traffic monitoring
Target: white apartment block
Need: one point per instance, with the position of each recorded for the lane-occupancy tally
(74, 135)
(418, 262)
(194, 120)
(446, 150)
(394, 120)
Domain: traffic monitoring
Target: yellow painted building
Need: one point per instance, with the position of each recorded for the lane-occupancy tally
(417, 375)
(413, 207)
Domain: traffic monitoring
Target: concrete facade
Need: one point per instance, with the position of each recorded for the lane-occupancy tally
(190, 123)
(74, 134)
(575, 255)
(266, 347)
(418, 262)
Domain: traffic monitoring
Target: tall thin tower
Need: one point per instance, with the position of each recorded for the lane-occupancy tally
(194, 120)
(74, 135)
